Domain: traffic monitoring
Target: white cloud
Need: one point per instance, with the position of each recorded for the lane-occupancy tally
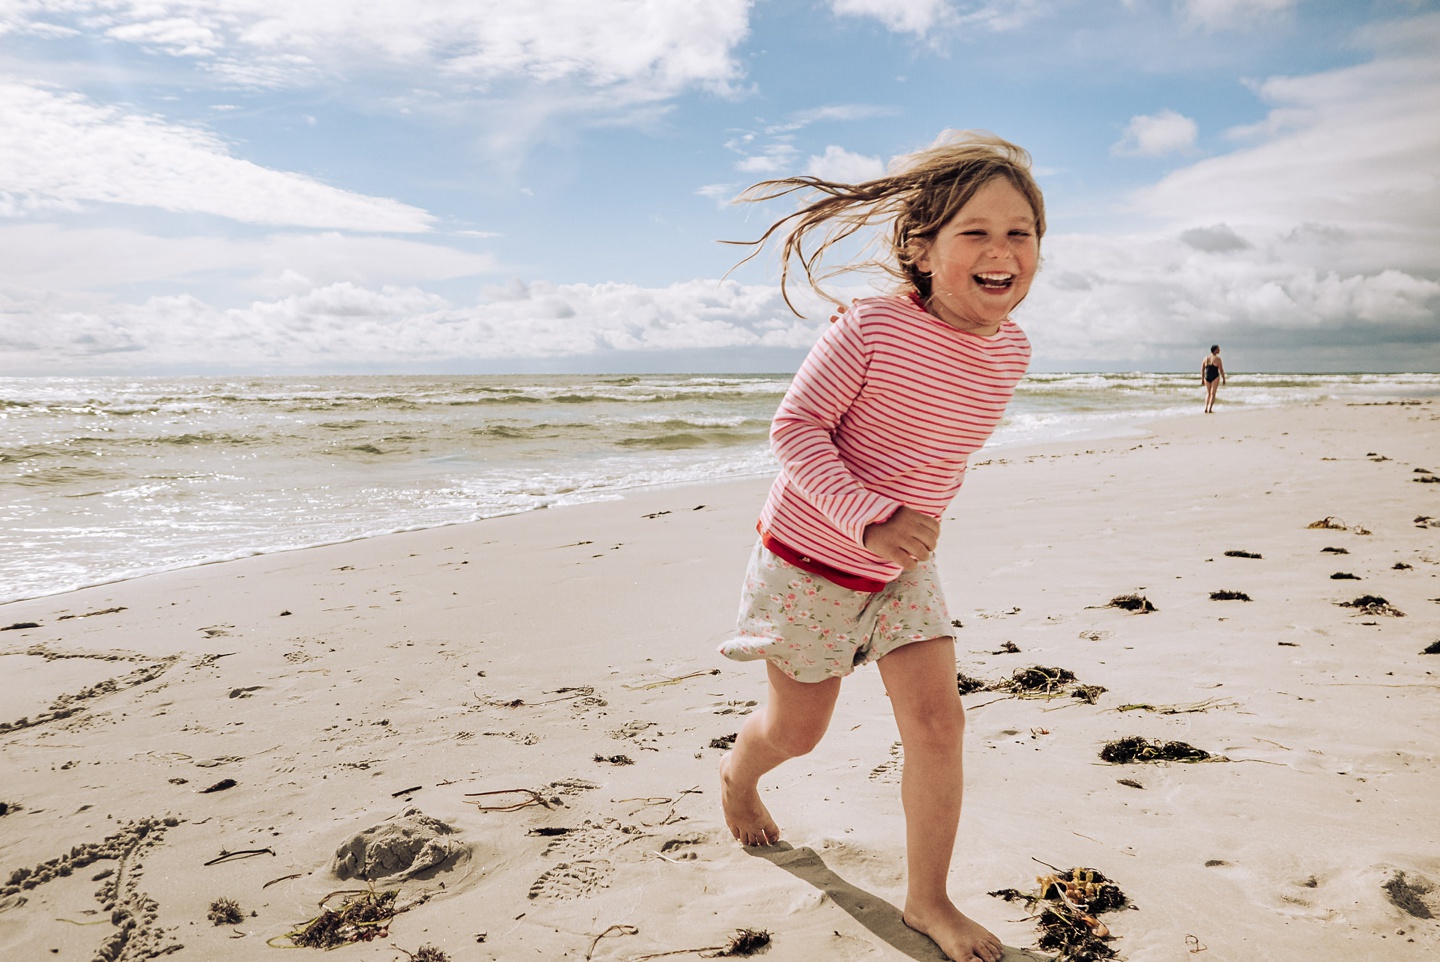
(1233, 14)
(843, 166)
(1354, 151)
(908, 16)
(59, 150)
(921, 16)
(1155, 135)
(641, 50)
(1320, 234)
(347, 325)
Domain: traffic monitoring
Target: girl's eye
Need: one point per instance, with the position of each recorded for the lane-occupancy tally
(1019, 233)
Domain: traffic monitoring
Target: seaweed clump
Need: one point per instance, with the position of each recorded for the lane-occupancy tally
(1373, 605)
(225, 912)
(1241, 554)
(1068, 922)
(1133, 748)
(1432, 649)
(1229, 596)
(1334, 550)
(1408, 896)
(361, 916)
(969, 685)
(1136, 603)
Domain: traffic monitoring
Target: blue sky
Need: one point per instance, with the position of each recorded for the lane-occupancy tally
(266, 186)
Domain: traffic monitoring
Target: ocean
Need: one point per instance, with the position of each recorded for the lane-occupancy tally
(109, 478)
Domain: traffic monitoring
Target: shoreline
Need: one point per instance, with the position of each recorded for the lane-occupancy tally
(336, 686)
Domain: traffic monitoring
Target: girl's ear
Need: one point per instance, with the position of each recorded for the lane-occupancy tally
(920, 255)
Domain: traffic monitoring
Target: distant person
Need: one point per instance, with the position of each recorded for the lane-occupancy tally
(1212, 374)
(872, 439)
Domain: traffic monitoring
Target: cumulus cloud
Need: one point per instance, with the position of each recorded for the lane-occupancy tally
(1349, 155)
(641, 49)
(1155, 135)
(1314, 243)
(60, 151)
(350, 325)
(846, 167)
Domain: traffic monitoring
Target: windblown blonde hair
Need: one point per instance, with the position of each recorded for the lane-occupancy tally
(922, 192)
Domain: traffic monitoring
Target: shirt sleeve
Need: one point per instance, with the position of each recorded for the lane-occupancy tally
(802, 433)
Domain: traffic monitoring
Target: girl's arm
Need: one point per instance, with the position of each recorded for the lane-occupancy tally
(802, 433)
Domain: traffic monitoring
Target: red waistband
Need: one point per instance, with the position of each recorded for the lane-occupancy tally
(804, 562)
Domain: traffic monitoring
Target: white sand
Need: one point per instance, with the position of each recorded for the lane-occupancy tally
(326, 682)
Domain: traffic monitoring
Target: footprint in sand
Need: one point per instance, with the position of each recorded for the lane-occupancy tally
(889, 771)
(572, 880)
(590, 840)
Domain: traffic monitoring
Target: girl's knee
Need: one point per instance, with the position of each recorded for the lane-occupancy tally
(796, 740)
(940, 726)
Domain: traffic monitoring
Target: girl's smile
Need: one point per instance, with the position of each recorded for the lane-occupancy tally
(981, 263)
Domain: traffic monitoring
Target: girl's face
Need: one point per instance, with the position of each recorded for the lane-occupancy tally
(981, 263)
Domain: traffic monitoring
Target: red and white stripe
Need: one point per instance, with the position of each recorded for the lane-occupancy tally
(885, 411)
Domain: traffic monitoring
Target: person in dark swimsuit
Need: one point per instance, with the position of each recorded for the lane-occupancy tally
(1212, 375)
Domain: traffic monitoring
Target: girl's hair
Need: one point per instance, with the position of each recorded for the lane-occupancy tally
(920, 195)
(1214, 348)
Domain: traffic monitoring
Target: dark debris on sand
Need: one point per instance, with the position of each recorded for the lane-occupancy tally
(1136, 603)
(1227, 595)
(1334, 550)
(724, 741)
(1068, 923)
(969, 685)
(1432, 649)
(1407, 895)
(225, 912)
(1241, 554)
(1344, 576)
(1373, 605)
(1037, 681)
(1124, 751)
(362, 916)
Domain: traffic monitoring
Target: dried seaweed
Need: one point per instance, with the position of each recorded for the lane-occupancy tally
(1136, 603)
(724, 741)
(426, 953)
(744, 943)
(1068, 924)
(1334, 550)
(1344, 576)
(1226, 595)
(1373, 605)
(1124, 751)
(1241, 554)
(1329, 522)
(225, 912)
(1406, 895)
(968, 685)
(1432, 649)
(1089, 694)
(362, 915)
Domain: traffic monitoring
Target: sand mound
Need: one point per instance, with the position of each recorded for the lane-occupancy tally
(409, 844)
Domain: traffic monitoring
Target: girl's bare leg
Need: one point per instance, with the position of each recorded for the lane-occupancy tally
(920, 680)
(790, 724)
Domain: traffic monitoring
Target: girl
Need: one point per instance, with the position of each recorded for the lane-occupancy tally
(872, 439)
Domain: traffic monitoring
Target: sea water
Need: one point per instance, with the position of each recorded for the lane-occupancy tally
(109, 478)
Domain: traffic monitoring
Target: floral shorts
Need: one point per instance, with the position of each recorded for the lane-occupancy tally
(813, 629)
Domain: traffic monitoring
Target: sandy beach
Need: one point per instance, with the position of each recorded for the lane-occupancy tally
(531, 708)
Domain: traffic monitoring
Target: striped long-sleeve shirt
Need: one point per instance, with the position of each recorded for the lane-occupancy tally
(885, 411)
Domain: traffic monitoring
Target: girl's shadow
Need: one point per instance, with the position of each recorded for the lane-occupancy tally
(884, 920)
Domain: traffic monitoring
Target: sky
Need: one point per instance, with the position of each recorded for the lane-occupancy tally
(493, 186)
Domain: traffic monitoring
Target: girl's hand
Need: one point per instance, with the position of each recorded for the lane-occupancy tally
(836, 316)
(907, 537)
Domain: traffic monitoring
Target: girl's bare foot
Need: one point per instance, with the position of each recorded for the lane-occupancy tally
(746, 815)
(959, 936)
